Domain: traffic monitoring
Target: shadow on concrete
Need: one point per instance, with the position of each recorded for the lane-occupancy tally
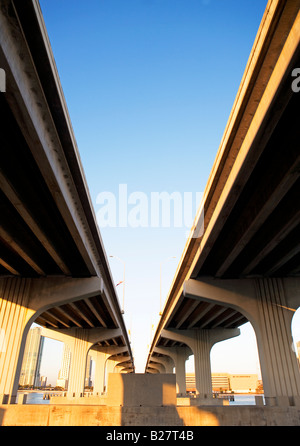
(151, 416)
(2, 412)
(200, 416)
(240, 415)
(145, 399)
(150, 400)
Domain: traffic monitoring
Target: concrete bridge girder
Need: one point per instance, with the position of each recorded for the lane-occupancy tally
(31, 297)
(51, 291)
(90, 335)
(152, 370)
(172, 352)
(123, 360)
(112, 350)
(158, 366)
(269, 304)
(116, 354)
(81, 345)
(33, 114)
(107, 361)
(262, 104)
(81, 342)
(166, 361)
(189, 337)
(124, 368)
(123, 364)
(178, 355)
(23, 300)
(200, 342)
(48, 141)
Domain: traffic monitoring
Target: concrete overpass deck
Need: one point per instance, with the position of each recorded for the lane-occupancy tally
(242, 260)
(53, 266)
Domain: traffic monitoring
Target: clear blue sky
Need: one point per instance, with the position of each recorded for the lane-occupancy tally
(149, 85)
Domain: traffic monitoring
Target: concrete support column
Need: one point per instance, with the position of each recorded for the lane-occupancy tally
(180, 358)
(79, 350)
(107, 361)
(14, 315)
(110, 368)
(269, 304)
(169, 364)
(21, 301)
(99, 359)
(81, 342)
(280, 371)
(201, 346)
(200, 341)
(179, 355)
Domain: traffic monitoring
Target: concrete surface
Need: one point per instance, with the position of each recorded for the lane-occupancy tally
(141, 389)
(80, 415)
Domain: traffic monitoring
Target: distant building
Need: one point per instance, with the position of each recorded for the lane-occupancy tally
(88, 375)
(190, 382)
(63, 375)
(43, 381)
(238, 383)
(241, 383)
(220, 382)
(30, 370)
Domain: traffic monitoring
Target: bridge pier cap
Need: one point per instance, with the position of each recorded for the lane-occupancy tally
(269, 304)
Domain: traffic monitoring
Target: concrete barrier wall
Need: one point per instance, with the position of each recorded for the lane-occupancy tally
(86, 401)
(80, 415)
(140, 389)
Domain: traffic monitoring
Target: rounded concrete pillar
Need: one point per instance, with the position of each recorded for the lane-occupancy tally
(200, 342)
(269, 304)
(15, 316)
(201, 348)
(79, 351)
(99, 372)
(279, 367)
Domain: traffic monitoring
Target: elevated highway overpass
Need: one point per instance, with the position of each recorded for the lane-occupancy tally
(53, 266)
(242, 260)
